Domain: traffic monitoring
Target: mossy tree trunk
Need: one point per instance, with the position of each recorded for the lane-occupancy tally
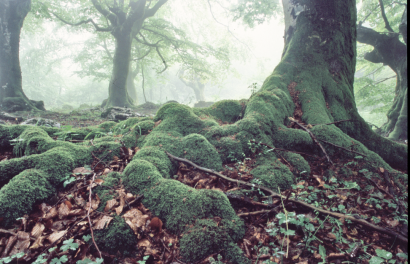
(389, 50)
(12, 97)
(314, 83)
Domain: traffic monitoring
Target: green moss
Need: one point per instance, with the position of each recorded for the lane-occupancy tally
(107, 126)
(197, 149)
(169, 141)
(140, 175)
(229, 149)
(19, 195)
(225, 111)
(274, 176)
(159, 159)
(297, 162)
(117, 237)
(206, 238)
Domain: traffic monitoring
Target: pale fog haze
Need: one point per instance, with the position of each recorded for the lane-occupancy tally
(66, 62)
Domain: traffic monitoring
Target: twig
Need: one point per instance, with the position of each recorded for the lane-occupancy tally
(254, 213)
(301, 153)
(274, 194)
(340, 121)
(313, 137)
(88, 215)
(13, 234)
(337, 146)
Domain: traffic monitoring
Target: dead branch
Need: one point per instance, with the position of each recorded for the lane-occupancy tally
(337, 146)
(4, 231)
(274, 194)
(313, 137)
(89, 218)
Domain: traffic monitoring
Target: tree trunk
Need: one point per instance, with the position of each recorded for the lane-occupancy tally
(314, 84)
(12, 97)
(117, 90)
(389, 50)
(132, 91)
(196, 85)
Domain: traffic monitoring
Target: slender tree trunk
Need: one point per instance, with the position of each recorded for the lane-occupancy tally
(12, 97)
(118, 94)
(132, 91)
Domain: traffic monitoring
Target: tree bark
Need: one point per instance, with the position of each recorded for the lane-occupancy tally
(196, 85)
(389, 50)
(12, 97)
(314, 82)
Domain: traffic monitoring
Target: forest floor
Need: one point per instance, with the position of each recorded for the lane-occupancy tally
(278, 230)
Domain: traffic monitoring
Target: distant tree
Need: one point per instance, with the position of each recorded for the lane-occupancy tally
(12, 96)
(388, 37)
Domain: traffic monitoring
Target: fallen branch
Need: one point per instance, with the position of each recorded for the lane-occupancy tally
(334, 145)
(313, 137)
(88, 215)
(274, 194)
(4, 231)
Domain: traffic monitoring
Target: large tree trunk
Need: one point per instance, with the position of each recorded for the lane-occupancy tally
(132, 90)
(389, 50)
(117, 90)
(314, 83)
(12, 97)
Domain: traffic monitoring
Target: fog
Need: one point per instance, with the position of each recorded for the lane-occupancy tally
(51, 73)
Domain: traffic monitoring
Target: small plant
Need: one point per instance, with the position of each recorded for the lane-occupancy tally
(67, 180)
(213, 261)
(144, 260)
(9, 259)
(383, 256)
(253, 88)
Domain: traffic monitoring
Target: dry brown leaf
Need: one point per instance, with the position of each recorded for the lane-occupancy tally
(317, 255)
(392, 223)
(76, 212)
(129, 197)
(37, 230)
(302, 262)
(103, 222)
(144, 243)
(56, 235)
(381, 169)
(9, 245)
(23, 241)
(63, 210)
(119, 209)
(38, 243)
(82, 170)
(106, 171)
(110, 204)
(68, 203)
(51, 214)
(354, 232)
(135, 219)
(331, 236)
(122, 200)
(99, 181)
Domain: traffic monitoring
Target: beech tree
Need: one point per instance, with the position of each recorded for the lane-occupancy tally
(12, 96)
(391, 51)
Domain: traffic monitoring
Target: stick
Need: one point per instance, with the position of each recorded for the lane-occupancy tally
(327, 142)
(12, 233)
(313, 137)
(88, 215)
(274, 194)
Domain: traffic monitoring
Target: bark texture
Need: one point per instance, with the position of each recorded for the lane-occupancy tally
(12, 97)
(389, 50)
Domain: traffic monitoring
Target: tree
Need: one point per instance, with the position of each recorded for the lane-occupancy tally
(306, 105)
(391, 51)
(12, 97)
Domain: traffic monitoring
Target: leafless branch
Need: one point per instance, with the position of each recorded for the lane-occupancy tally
(386, 22)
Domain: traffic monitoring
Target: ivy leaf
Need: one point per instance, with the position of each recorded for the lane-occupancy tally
(68, 244)
(376, 260)
(384, 254)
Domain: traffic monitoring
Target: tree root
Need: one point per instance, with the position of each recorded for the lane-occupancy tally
(274, 194)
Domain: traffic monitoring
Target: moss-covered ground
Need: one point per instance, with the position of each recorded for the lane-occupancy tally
(199, 218)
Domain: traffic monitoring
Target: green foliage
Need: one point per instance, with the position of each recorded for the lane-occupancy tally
(256, 12)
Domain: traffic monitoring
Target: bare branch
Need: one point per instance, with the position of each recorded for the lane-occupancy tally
(386, 22)
(143, 56)
(163, 60)
(150, 12)
(105, 13)
(97, 28)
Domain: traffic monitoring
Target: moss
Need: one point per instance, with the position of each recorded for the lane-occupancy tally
(197, 149)
(117, 237)
(144, 127)
(169, 141)
(159, 159)
(140, 175)
(178, 118)
(225, 111)
(297, 162)
(107, 126)
(19, 195)
(206, 238)
(229, 149)
(274, 176)
(56, 162)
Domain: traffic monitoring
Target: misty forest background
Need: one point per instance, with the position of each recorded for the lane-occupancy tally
(72, 65)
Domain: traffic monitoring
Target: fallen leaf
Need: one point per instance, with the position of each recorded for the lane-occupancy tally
(37, 230)
(110, 204)
(392, 223)
(38, 243)
(23, 242)
(63, 210)
(56, 235)
(103, 222)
